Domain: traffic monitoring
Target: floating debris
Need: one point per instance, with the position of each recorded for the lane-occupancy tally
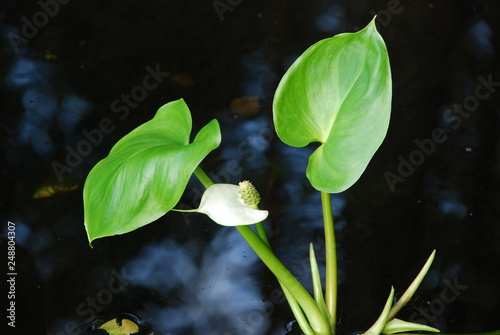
(48, 191)
(119, 324)
(183, 80)
(246, 106)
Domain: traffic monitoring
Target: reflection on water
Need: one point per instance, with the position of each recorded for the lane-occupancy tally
(38, 113)
(481, 39)
(329, 20)
(447, 199)
(47, 107)
(26, 72)
(258, 73)
(210, 291)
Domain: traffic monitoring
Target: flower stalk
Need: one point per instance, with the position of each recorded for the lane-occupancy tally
(317, 324)
(331, 258)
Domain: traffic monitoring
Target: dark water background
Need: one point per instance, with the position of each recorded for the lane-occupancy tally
(186, 275)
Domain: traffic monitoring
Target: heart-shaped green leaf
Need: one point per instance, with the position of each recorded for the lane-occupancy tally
(338, 93)
(146, 172)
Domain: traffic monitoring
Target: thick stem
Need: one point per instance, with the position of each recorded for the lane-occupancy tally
(304, 299)
(294, 306)
(203, 177)
(306, 302)
(331, 258)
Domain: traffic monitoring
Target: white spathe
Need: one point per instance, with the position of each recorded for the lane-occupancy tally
(223, 204)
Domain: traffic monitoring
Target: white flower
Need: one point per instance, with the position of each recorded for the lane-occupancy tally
(223, 204)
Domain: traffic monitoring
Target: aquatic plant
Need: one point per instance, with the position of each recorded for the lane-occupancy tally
(337, 93)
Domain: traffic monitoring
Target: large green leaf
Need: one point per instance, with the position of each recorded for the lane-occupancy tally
(146, 172)
(338, 93)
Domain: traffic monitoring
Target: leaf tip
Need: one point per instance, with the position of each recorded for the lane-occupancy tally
(89, 237)
(372, 26)
(90, 241)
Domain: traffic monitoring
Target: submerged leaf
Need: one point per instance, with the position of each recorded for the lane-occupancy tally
(338, 93)
(146, 172)
(48, 191)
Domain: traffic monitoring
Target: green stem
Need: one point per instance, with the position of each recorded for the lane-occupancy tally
(331, 258)
(203, 177)
(306, 302)
(261, 231)
(297, 312)
(294, 306)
